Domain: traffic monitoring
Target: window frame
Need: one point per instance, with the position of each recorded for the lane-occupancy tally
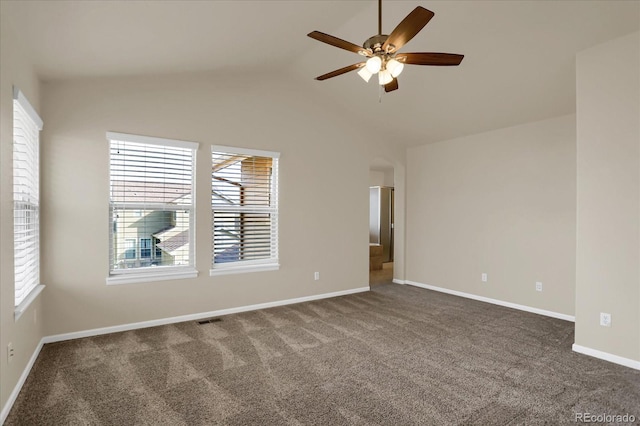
(152, 273)
(29, 118)
(269, 264)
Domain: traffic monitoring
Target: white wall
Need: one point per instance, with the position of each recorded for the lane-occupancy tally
(501, 203)
(235, 110)
(26, 332)
(376, 178)
(381, 178)
(608, 243)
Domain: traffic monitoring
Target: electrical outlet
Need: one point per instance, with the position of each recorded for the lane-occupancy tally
(316, 276)
(538, 286)
(484, 277)
(10, 352)
(605, 319)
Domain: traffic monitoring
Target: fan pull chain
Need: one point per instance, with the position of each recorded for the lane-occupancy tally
(380, 94)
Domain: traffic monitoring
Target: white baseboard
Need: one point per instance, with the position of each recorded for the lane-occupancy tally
(195, 317)
(606, 356)
(144, 324)
(397, 281)
(494, 301)
(18, 387)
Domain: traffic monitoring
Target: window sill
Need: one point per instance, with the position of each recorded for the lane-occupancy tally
(27, 301)
(244, 269)
(145, 277)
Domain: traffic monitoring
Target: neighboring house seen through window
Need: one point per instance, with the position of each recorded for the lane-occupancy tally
(152, 209)
(26, 201)
(244, 200)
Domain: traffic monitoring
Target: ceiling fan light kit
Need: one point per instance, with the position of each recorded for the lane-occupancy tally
(394, 67)
(384, 77)
(382, 50)
(365, 74)
(374, 64)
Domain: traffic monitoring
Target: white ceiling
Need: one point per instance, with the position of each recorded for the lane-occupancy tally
(519, 61)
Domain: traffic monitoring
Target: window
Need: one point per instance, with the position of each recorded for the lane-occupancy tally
(145, 247)
(130, 251)
(244, 201)
(26, 200)
(152, 209)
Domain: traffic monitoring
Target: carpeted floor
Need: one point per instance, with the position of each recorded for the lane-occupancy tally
(397, 355)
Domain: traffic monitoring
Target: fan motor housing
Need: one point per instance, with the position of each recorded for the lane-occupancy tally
(374, 44)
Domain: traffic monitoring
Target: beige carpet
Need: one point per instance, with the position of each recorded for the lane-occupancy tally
(397, 355)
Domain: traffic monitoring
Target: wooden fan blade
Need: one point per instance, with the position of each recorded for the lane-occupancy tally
(338, 42)
(390, 87)
(340, 71)
(407, 29)
(430, 58)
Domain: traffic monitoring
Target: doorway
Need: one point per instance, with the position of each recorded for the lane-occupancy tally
(381, 233)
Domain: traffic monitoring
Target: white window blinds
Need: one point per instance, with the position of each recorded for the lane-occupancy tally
(244, 200)
(26, 196)
(151, 199)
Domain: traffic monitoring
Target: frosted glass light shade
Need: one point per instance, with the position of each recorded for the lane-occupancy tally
(374, 64)
(395, 67)
(365, 74)
(384, 77)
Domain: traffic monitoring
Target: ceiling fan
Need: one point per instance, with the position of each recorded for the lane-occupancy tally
(382, 50)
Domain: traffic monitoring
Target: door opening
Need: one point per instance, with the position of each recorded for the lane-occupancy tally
(381, 234)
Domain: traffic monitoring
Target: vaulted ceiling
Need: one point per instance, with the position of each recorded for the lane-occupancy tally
(519, 63)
